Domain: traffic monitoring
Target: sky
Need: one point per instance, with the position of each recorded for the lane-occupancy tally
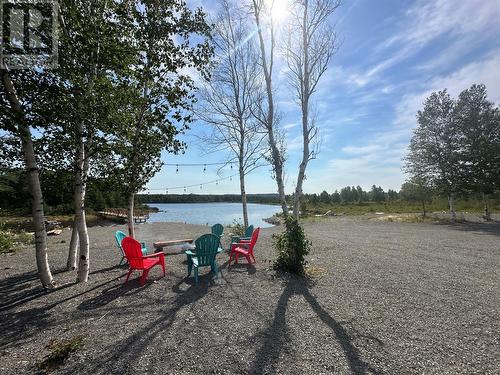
(392, 55)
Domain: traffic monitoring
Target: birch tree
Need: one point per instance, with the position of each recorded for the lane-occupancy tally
(434, 148)
(478, 131)
(267, 112)
(310, 46)
(92, 54)
(172, 43)
(417, 190)
(231, 96)
(16, 118)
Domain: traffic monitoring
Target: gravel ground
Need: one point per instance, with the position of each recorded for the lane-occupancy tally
(389, 298)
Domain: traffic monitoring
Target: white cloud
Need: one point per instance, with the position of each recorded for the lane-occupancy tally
(466, 22)
(374, 163)
(290, 126)
(378, 161)
(359, 150)
(486, 71)
(430, 19)
(294, 143)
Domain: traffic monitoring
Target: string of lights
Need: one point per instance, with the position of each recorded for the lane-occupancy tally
(166, 189)
(204, 165)
(194, 164)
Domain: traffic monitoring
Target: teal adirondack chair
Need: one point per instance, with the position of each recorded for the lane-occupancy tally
(119, 236)
(246, 237)
(207, 248)
(218, 229)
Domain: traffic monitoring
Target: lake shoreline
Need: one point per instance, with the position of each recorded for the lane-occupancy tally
(213, 212)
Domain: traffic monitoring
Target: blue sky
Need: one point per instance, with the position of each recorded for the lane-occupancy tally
(393, 54)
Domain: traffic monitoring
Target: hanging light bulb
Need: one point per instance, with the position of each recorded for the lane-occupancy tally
(230, 178)
(184, 189)
(204, 168)
(201, 187)
(177, 168)
(231, 166)
(166, 191)
(217, 182)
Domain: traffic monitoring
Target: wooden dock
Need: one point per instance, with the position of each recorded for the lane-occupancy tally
(120, 215)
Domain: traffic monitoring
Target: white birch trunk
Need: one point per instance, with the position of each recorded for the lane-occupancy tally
(130, 216)
(305, 94)
(80, 220)
(487, 212)
(278, 171)
(451, 202)
(42, 261)
(71, 263)
(38, 216)
(243, 195)
(277, 157)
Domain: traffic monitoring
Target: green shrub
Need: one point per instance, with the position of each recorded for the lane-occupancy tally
(237, 229)
(6, 242)
(59, 352)
(292, 247)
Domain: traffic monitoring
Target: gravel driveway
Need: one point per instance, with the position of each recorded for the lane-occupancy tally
(389, 298)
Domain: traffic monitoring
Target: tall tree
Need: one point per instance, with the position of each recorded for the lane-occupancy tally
(377, 194)
(92, 55)
(172, 44)
(417, 190)
(478, 127)
(231, 96)
(18, 105)
(310, 47)
(434, 148)
(267, 114)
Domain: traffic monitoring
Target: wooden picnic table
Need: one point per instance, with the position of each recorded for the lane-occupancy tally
(184, 244)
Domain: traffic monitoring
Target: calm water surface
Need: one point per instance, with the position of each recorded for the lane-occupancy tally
(212, 213)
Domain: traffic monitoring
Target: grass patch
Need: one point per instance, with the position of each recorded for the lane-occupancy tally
(314, 272)
(10, 241)
(25, 223)
(59, 352)
(418, 218)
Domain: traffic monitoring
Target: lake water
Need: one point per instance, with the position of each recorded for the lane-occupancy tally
(212, 213)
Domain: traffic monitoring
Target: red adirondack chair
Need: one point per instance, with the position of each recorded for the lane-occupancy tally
(137, 261)
(244, 248)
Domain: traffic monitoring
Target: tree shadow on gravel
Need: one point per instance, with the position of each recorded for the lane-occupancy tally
(18, 290)
(20, 325)
(242, 268)
(276, 336)
(112, 293)
(492, 228)
(127, 352)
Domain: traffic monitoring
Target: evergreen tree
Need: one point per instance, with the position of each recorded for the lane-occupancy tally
(324, 197)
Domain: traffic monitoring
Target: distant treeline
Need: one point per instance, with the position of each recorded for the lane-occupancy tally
(58, 190)
(408, 199)
(204, 198)
(105, 193)
(354, 194)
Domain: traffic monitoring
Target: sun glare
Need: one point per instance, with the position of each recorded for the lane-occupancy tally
(279, 9)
